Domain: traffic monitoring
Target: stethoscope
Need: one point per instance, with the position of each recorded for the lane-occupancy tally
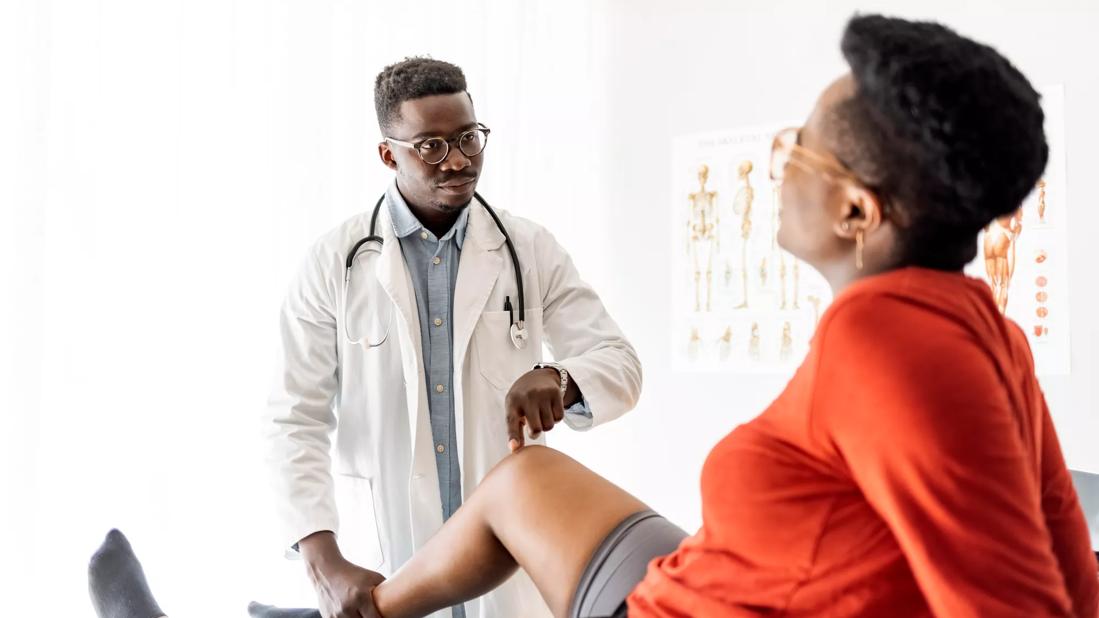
(518, 330)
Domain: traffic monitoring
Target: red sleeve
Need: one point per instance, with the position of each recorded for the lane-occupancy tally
(1067, 525)
(917, 409)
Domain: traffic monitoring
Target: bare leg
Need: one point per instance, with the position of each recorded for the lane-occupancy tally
(539, 510)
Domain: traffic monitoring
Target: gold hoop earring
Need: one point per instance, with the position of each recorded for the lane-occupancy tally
(858, 249)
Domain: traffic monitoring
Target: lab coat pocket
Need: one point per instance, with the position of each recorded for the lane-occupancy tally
(358, 537)
(498, 361)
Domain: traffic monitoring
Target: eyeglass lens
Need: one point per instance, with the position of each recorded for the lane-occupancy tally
(471, 143)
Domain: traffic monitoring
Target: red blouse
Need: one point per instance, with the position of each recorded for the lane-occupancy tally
(909, 468)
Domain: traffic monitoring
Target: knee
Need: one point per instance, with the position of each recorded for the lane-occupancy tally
(515, 482)
(520, 468)
(521, 461)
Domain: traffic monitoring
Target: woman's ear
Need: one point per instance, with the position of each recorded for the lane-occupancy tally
(385, 153)
(860, 210)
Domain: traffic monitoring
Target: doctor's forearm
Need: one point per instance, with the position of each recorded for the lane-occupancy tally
(319, 548)
(342, 588)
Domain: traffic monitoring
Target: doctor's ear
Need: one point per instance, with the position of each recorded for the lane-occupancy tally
(385, 153)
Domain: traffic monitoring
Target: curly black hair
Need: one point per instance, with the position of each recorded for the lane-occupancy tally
(413, 78)
(944, 129)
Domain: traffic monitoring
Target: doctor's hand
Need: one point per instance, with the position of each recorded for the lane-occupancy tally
(344, 590)
(535, 401)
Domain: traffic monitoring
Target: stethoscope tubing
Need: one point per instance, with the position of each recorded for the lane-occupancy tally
(518, 329)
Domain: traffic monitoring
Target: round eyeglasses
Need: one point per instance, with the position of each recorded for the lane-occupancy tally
(785, 150)
(434, 150)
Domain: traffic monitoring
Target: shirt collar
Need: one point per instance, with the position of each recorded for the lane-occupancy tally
(406, 224)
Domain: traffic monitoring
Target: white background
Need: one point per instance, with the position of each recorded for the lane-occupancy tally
(165, 164)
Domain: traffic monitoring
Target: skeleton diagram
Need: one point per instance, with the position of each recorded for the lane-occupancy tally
(742, 205)
(702, 235)
(753, 343)
(796, 277)
(724, 343)
(787, 342)
(694, 344)
(1041, 201)
(999, 250)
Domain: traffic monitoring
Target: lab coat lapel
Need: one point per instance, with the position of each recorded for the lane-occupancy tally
(478, 270)
(395, 280)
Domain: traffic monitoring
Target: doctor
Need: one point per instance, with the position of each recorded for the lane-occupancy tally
(413, 336)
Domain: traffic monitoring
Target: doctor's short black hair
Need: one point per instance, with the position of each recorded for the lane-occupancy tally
(945, 129)
(413, 78)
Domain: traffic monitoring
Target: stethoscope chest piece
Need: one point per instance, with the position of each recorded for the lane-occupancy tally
(519, 336)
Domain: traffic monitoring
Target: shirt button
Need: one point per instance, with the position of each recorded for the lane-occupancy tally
(437, 261)
(439, 448)
(439, 388)
(438, 321)
(423, 235)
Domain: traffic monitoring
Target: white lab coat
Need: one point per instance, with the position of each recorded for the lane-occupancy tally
(381, 478)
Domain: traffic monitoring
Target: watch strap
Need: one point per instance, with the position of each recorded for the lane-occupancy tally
(564, 373)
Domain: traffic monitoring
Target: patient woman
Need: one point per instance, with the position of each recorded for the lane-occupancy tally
(909, 468)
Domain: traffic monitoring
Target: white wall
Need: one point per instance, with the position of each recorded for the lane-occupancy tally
(163, 166)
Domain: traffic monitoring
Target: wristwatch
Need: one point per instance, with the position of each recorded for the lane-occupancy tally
(560, 370)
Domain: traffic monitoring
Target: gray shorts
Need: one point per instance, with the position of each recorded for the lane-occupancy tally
(619, 564)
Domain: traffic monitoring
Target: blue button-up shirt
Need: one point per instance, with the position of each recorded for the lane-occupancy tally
(433, 265)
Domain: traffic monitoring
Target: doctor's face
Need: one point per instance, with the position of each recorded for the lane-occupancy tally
(445, 187)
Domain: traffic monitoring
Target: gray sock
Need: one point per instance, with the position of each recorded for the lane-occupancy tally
(257, 610)
(116, 582)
